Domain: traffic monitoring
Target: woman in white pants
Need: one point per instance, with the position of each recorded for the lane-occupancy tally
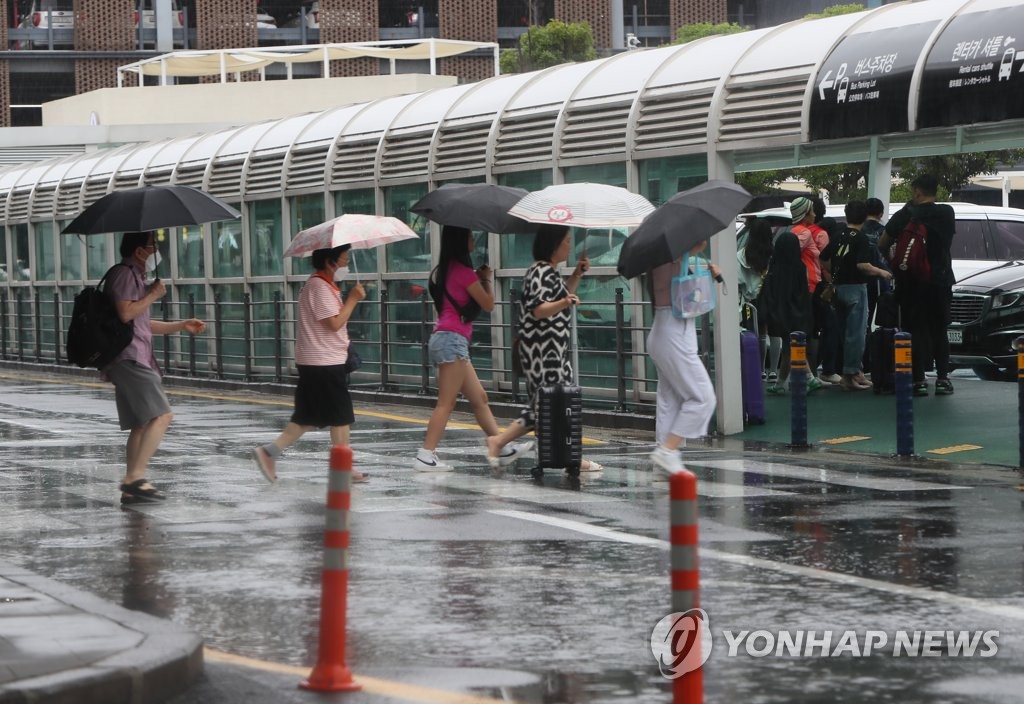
(686, 396)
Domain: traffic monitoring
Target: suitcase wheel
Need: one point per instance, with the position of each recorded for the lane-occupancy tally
(537, 472)
(573, 470)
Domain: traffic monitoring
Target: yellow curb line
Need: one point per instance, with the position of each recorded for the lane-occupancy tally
(261, 402)
(848, 438)
(953, 448)
(373, 685)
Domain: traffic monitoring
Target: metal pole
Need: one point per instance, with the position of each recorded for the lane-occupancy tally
(513, 321)
(57, 327)
(424, 345)
(383, 338)
(620, 349)
(278, 332)
(904, 394)
(218, 335)
(798, 389)
(165, 306)
(37, 323)
(17, 324)
(191, 338)
(1018, 345)
(3, 323)
(247, 322)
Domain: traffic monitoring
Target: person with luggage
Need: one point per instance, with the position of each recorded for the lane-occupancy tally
(459, 293)
(812, 242)
(685, 395)
(321, 355)
(142, 406)
(873, 229)
(849, 257)
(925, 299)
(752, 259)
(787, 301)
(544, 331)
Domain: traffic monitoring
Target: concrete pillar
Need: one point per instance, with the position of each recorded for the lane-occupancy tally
(164, 33)
(879, 175)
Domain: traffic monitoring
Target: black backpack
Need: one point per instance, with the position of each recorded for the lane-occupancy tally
(96, 334)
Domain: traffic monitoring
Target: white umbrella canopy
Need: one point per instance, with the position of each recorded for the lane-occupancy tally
(583, 205)
(360, 231)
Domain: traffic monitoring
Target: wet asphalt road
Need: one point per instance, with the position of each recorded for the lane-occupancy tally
(496, 585)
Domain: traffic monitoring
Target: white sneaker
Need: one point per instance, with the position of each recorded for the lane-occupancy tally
(831, 378)
(514, 451)
(427, 461)
(667, 460)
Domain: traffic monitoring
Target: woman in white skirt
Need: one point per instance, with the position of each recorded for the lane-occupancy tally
(686, 396)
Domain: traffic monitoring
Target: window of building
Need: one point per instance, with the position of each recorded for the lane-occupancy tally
(399, 13)
(524, 13)
(19, 242)
(189, 242)
(306, 211)
(70, 255)
(361, 261)
(410, 255)
(45, 264)
(4, 273)
(266, 238)
(226, 239)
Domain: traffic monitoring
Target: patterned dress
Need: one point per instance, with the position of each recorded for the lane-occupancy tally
(543, 343)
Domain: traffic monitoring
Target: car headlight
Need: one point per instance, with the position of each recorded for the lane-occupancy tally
(1007, 299)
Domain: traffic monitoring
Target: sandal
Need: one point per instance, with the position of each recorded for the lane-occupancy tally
(359, 477)
(591, 466)
(140, 490)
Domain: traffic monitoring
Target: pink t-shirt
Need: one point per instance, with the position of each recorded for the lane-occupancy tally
(316, 344)
(460, 278)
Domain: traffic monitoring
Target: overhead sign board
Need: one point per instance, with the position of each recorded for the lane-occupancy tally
(862, 87)
(975, 70)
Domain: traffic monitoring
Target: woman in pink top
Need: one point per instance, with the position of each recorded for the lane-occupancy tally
(321, 352)
(459, 293)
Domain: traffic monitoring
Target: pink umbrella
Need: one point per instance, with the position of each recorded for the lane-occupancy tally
(360, 231)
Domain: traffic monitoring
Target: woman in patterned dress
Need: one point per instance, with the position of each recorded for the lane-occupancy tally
(544, 330)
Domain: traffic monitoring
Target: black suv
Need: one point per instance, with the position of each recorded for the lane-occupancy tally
(988, 315)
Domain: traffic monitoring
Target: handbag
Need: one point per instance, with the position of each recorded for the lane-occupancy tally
(693, 291)
(353, 361)
(826, 292)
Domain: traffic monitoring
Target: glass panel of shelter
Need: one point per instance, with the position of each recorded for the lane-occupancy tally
(70, 254)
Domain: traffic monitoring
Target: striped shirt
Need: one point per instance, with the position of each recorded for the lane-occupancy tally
(316, 345)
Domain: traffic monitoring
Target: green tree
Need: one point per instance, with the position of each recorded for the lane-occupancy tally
(761, 182)
(690, 32)
(555, 43)
(835, 10)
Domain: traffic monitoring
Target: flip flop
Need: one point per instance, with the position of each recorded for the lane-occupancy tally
(138, 491)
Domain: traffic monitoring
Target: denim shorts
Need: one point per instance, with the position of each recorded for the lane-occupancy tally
(446, 346)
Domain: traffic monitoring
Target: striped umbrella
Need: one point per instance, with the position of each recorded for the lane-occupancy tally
(360, 231)
(583, 205)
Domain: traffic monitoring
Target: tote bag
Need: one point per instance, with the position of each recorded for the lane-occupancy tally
(693, 294)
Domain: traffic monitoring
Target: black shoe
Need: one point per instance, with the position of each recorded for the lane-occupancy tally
(943, 387)
(139, 492)
(921, 389)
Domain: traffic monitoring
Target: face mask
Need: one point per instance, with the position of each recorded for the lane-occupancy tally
(339, 273)
(152, 261)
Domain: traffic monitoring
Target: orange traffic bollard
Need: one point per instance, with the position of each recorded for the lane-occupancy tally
(688, 688)
(331, 674)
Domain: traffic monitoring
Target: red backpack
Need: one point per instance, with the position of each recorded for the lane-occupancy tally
(910, 253)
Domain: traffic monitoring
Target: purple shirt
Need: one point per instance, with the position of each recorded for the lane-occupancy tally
(126, 283)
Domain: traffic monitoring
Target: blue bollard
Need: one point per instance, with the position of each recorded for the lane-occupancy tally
(904, 395)
(1018, 345)
(798, 389)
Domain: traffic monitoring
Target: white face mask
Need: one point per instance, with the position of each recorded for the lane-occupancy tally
(152, 261)
(339, 273)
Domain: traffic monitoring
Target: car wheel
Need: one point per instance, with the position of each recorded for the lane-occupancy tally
(995, 373)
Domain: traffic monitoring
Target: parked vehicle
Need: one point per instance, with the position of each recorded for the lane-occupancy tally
(50, 14)
(988, 315)
(146, 10)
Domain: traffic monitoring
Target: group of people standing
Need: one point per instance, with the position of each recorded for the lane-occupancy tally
(825, 279)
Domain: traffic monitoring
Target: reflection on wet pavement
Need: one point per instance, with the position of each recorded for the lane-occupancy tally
(494, 583)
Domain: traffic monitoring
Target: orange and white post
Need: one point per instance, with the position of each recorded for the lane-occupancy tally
(687, 688)
(331, 674)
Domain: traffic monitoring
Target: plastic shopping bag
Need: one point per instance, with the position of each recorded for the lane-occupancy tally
(693, 294)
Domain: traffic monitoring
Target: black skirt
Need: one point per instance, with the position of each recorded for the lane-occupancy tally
(322, 398)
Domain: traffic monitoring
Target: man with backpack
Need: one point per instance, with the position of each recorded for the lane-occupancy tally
(921, 236)
(142, 406)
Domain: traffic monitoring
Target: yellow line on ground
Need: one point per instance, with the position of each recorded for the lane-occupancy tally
(953, 448)
(373, 685)
(261, 402)
(848, 438)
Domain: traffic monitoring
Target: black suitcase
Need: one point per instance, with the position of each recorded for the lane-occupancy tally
(883, 363)
(559, 429)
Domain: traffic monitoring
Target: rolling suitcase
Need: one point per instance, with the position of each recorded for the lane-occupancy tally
(559, 429)
(750, 368)
(883, 364)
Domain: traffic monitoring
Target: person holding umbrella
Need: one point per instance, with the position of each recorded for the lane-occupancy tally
(544, 326)
(142, 406)
(459, 294)
(685, 396)
(321, 352)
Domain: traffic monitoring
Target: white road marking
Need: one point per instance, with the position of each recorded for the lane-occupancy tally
(955, 600)
(510, 490)
(828, 476)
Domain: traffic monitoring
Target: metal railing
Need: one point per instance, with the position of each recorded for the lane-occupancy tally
(253, 342)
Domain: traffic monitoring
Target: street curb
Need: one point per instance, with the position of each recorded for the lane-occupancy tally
(165, 663)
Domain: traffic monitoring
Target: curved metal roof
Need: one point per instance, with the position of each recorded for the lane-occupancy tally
(756, 90)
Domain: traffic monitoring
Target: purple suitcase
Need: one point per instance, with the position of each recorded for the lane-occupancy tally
(750, 371)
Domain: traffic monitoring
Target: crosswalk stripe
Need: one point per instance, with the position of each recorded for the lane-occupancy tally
(826, 476)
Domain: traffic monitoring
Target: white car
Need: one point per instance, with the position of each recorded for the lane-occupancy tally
(145, 8)
(47, 14)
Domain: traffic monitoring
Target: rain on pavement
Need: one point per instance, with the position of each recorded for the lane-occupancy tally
(498, 585)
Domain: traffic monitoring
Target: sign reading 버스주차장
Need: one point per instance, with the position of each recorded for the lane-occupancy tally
(862, 87)
(975, 70)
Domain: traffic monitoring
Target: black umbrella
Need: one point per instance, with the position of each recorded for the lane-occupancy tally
(149, 208)
(475, 206)
(680, 223)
